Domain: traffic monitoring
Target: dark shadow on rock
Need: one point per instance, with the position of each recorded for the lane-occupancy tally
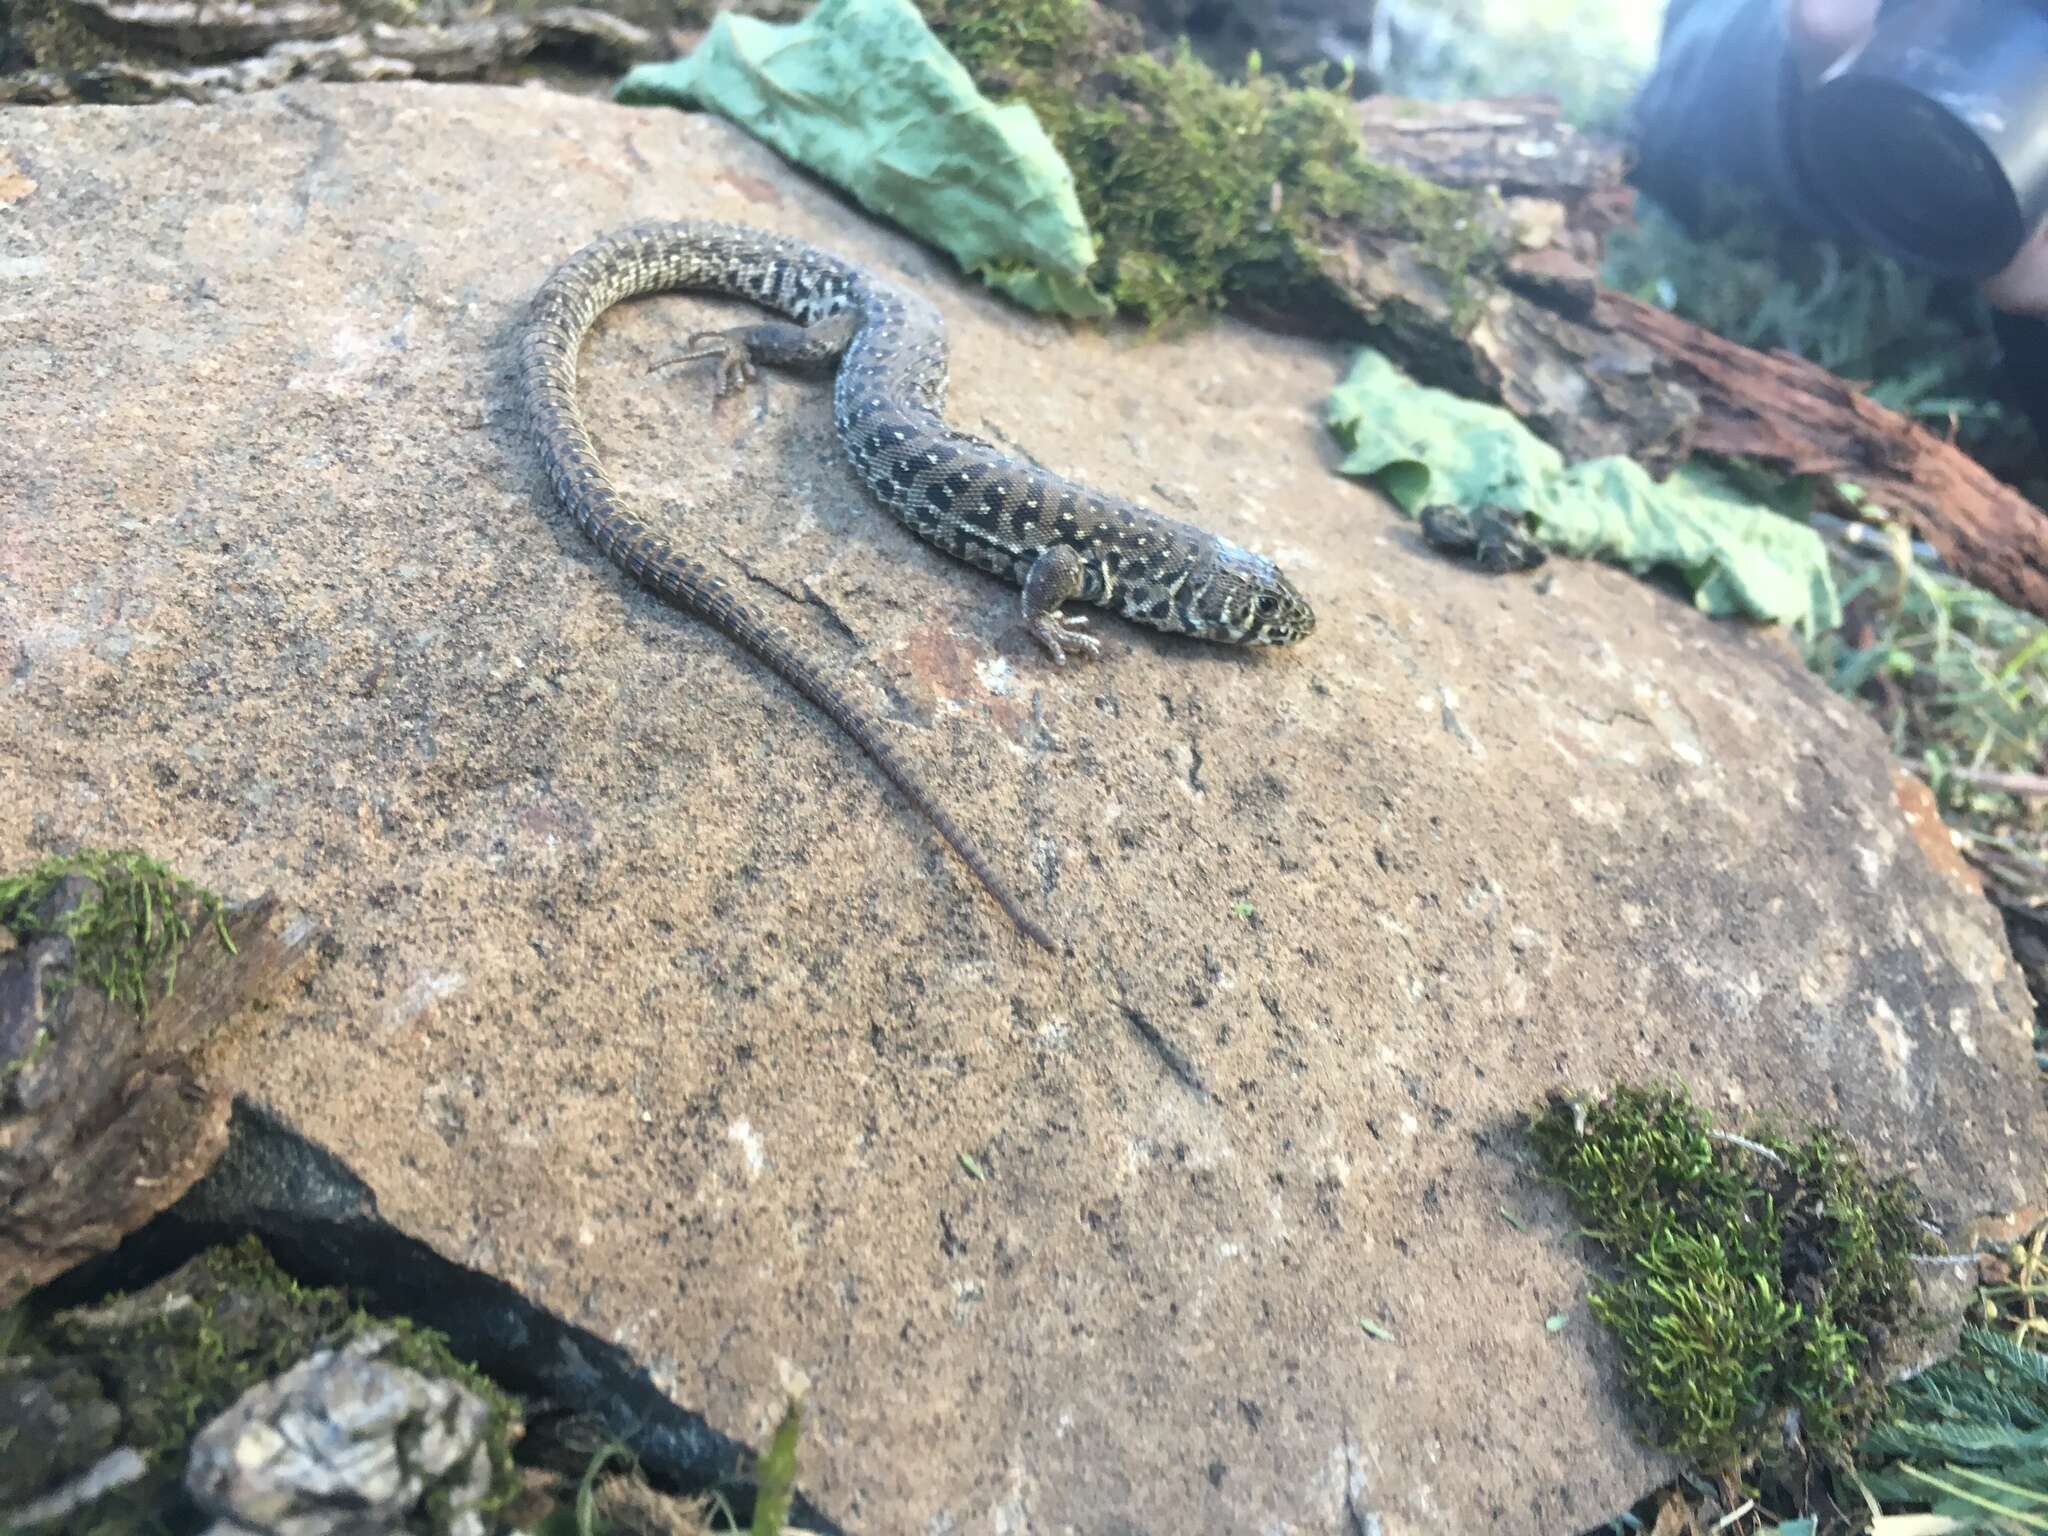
(320, 1223)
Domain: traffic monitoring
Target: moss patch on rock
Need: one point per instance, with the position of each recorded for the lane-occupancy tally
(170, 1357)
(1201, 191)
(129, 930)
(1761, 1284)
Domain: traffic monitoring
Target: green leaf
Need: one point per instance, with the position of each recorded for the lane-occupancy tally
(2034, 651)
(1373, 1329)
(860, 92)
(974, 1169)
(1556, 1321)
(1054, 292)
(1421, 446)
(775, 1478)
(586, 1487)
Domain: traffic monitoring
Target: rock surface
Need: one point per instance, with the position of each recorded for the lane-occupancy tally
(321, 1223)
(646, 994)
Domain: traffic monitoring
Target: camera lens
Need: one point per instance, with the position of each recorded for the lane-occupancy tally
(1931, 141)
(1914, 180)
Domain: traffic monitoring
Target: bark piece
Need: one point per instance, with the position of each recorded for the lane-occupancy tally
(467, 50)
(105, 1115)
(1595, 371)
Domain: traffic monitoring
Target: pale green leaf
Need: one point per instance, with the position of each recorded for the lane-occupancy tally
(1422, 446)
(863, 94)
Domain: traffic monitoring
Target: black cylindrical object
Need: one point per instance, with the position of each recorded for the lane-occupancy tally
(1932, 140)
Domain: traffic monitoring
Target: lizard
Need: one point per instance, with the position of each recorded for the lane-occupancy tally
(1058, 540)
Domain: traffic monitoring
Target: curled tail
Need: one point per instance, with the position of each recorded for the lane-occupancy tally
(781, 274)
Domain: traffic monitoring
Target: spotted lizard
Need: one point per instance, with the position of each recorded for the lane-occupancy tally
(1059, 541)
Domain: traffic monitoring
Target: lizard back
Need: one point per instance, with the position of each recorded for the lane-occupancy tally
(986, 505)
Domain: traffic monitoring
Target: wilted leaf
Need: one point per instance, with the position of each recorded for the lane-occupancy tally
(860, 92)
(1422, 446)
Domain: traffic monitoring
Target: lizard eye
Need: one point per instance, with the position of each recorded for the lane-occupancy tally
(1267, 602)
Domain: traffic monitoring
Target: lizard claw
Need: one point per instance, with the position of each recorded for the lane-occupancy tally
(1061, 635)
(735, 367)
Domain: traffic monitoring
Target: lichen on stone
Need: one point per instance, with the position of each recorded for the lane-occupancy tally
(1760, 1285)
(344, 1438)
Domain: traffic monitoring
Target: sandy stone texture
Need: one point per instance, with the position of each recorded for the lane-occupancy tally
(646, 993)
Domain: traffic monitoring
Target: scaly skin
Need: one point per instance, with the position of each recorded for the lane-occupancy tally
(1057, 540)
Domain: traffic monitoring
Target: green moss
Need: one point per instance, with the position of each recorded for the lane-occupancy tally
(1013, 43)
(1749, 1286)
(173, 1356)
(426, 1351)
(176, 1354)
(38, 1048)
(1202, 192)
(129, 930)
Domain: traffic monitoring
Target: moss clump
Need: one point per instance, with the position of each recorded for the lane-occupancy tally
(1201, 192)
(1758, 1293)
(133, 925)
(1010, 45)
(171, 1357)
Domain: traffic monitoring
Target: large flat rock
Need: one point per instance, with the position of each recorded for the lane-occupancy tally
(647, 994)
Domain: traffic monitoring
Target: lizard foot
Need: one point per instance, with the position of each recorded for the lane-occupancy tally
(735, 366)
(1061, 635)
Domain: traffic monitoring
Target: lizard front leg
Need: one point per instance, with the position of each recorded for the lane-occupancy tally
(1055, 576)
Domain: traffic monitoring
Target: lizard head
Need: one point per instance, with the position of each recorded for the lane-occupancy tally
(1246, 601)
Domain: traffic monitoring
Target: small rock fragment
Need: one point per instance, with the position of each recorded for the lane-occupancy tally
(116, 1469)
(59, 1441)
